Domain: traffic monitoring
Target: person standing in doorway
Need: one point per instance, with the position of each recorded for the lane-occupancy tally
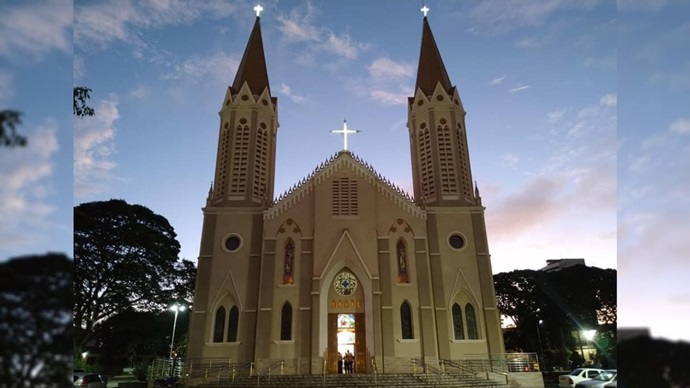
(349, 360)
(340, 363)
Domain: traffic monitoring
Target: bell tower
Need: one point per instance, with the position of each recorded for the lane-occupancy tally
(436, 121)
(228, 271)
(245, 162)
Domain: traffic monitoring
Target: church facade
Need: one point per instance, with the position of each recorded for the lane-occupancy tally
(344, 261)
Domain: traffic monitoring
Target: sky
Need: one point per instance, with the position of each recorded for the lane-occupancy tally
(654, 166)
(36, 190)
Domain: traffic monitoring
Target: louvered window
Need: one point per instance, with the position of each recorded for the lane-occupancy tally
(344, 197)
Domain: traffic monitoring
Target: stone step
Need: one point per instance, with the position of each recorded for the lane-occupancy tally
(351, 381)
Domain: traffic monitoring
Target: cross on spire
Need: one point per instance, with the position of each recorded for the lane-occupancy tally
(258, 10)
(425, 10)
(345, 131)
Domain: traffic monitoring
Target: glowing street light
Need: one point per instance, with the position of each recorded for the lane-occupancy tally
(176, 308)
(589, 334)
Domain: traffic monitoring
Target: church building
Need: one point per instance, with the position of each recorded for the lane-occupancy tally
(345, 260)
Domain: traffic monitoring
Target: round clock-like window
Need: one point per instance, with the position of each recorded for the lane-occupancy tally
(232, 243)
(456, 241)
(345, 283)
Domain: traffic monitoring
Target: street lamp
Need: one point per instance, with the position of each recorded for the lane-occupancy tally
(176, 308)
(541, 351)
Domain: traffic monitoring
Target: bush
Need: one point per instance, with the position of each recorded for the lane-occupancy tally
(141, 371)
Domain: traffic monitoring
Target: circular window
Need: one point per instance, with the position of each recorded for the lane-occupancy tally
(243, 121)
(264, 101)
(232, 243)
(440, 98)
(345, 283)
(443, 121)
(227, 102)
(263, 125)
(420, 103)
(422, 125)
(245, 97)
(226, 125)
(456, 241)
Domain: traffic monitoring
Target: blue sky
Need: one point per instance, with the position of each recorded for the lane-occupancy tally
(653, 166)
(538, 81)
(36, 78)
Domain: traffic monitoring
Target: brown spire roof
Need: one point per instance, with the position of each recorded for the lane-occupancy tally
(252, 69)
(431, 69)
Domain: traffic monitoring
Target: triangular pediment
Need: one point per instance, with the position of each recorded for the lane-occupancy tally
(347, 250)
(328, 168)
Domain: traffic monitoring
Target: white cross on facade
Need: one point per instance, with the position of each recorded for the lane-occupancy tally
(258, 10)
(345, 131)
(425, 10)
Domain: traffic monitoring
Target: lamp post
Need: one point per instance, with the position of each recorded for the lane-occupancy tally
(541, 350)
(176, 308)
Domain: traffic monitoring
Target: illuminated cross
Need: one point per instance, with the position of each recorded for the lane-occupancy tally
(425, 10)
(345, 131)
(258, 10)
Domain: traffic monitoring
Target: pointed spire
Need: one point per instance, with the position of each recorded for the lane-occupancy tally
(431, 69)
(252, 69)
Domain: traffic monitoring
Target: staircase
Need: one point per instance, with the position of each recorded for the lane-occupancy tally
(392, 380)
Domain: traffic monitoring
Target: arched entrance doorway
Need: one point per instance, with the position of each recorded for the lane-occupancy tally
(346, 322)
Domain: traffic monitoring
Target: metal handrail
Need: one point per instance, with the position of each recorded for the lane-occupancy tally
(376, 372)
(267, 371)
(323, 372)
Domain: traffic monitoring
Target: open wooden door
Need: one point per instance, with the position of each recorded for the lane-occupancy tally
(332, 343)
(360, 344)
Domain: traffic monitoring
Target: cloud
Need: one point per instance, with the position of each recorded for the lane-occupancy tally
(386, 97)
(500, 15)
(386, 68)
(534, 205)
(602, 63)
(79, 69)
(528, 43)
(36, 29)
(518, 88)
(26, 187)
(93, 149)
(298, 27)
(609, 100)
(139, 93)
(680, 126)
(99, 24)
(498, 80)
(285, 89)
(510, 159)
(217, 66)
(555, 116)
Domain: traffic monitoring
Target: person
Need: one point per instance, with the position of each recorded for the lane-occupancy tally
(349, 360)
(340, 363)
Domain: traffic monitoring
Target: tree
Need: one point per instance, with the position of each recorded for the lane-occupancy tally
(9, 120)
(81, 96)
(566, 300)
(35, 324)
(125, 256)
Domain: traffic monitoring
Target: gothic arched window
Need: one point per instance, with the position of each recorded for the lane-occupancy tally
(286, 322)
(406, 321)
(471, 322)
(403, 271)
(457, 322)
(219, 326)
(289, 262)
(233, 323)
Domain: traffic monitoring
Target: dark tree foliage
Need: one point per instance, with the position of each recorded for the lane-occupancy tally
(649, 362)
(36, 322)
(130, 337)
(81, 96)
(567, 300)
(9, 120)
(125, 256)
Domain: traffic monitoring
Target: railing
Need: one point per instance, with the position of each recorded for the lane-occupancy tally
(427, 368)
(165, 367)
(376, 372)
(268, 370)
(216, 369)
(502, 362)
(323, 372)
